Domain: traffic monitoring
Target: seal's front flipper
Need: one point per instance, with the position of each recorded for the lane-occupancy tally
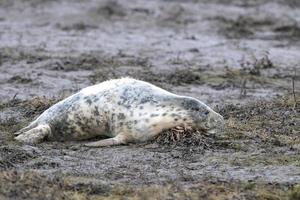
(35, 135)
(119, 139)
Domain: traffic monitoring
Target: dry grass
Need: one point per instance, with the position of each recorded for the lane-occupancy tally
(31, 185)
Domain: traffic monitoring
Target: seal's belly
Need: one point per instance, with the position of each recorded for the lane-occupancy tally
(79, 124)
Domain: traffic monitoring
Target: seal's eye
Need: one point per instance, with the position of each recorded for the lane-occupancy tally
(206, 113)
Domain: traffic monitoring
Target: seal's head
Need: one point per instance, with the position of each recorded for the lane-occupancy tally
(203, 117)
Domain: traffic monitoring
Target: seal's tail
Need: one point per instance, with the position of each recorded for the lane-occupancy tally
(34, 135)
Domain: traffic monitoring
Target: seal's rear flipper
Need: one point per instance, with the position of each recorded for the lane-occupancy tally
(27, 128)
(35, 135)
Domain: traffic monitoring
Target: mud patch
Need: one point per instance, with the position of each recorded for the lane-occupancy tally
(242, 27)
(176, 77)
(256, 25)
(11, 157)
(109, 9)
(274, 122)
(31, 185)
(80, 26)
(19, 79)
(289, 31)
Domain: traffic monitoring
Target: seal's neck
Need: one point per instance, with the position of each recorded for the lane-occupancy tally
(170, 118)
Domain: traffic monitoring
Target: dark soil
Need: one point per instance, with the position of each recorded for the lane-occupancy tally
(239, 57)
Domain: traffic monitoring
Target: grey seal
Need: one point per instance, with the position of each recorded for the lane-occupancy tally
(124, 110)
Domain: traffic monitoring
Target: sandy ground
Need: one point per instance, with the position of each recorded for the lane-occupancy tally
(239, 57)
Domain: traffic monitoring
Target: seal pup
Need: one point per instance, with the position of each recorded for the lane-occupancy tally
(124, 110)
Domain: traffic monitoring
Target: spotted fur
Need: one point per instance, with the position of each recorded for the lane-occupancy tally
(125, 110)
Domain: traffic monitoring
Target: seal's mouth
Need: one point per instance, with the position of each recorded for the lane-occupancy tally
(209, 130)
(215, 123)
(216, 128)
(206, 129)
